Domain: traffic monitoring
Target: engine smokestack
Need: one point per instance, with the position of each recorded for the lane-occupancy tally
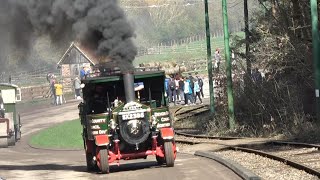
(128, 80)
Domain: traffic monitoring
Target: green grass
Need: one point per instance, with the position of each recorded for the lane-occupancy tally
(63, 136)
(188, 51)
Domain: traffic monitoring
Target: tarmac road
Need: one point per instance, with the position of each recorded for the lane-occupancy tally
(24, 162)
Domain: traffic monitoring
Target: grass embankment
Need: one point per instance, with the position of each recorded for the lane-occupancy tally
(63, 136)
(192, 50)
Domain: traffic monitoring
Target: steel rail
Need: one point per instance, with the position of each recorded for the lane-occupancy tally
(297, 144)
(207, 137)
(189, 110)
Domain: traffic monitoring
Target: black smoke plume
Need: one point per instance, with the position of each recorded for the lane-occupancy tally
(99, 25)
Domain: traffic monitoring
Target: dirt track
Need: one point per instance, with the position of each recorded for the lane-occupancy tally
(24, 162)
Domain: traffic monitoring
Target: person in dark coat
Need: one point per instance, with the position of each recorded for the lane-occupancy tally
(200, 82)
(191, 84)
(256, 76)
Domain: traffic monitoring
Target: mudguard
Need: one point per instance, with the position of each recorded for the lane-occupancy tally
(167, 133)
(101, 140)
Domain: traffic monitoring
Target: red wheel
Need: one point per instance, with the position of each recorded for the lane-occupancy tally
(169, 154)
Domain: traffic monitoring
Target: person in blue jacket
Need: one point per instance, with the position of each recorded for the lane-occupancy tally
(188, 92)
(166, 84)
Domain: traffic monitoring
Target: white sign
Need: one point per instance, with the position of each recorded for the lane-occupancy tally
(133, 116)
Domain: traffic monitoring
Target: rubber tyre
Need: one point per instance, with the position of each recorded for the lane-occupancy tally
(17, 133)
(90, 165)
(169, 154)
(18, 129)
(160, 160)
(12, 140)
(104, 161)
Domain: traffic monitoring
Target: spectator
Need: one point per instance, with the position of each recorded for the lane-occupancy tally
(49, 77)
(256, 76)
(166, 85)
(2, 113)
(200, 81)
(83, 73)
(176, 80)
(77, 88)
(217, 58)
(187, 92)
(197, 91)
(59, 93)
(191, 84)
(88, 71)
(180, 90)
(53, 90)
(172, 90)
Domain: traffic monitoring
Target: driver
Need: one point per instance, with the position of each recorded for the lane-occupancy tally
(1, 106)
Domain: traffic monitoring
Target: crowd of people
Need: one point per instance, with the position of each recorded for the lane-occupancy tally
(56, 89)
(184, 90)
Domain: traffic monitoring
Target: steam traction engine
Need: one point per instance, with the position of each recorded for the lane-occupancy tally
(10, 125)
(125, 116)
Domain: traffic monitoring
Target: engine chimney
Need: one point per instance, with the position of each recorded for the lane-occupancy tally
(128, 80)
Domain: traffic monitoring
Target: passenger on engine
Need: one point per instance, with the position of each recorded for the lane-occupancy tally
(99, 100)
(1, 107)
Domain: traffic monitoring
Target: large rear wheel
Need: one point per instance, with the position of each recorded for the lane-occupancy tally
(169, 154)
(104, 161)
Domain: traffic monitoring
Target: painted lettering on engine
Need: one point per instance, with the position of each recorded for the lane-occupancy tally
(157, 114)
(98, 121)
(95, 127)
(165, 119)
(163, 125)
(99, 132)
(132, 106)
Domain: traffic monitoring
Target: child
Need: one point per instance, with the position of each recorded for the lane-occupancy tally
(58, 89)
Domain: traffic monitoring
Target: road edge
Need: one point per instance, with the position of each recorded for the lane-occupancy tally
(237, 168)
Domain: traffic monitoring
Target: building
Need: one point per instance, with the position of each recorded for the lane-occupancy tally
(73, 60)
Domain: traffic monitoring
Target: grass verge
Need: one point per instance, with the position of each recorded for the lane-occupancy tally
(63, 136)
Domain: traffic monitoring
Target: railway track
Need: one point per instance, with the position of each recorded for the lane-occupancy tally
(301, 156)
(189, 111)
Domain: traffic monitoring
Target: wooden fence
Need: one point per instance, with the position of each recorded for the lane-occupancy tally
(39, 92)
(191, 44)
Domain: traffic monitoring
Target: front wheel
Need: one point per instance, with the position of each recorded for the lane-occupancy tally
(104, 161)
(169, 154)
